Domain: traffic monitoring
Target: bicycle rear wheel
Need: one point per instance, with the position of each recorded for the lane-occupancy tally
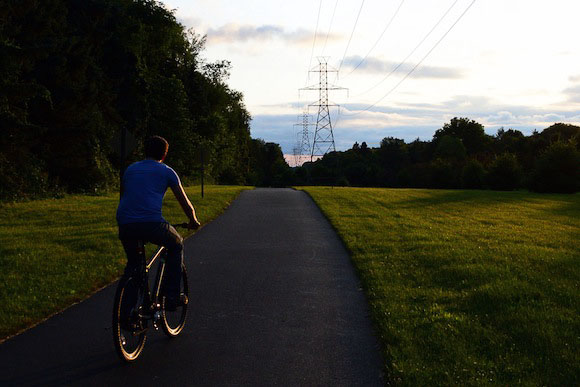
(129, 330)
(173, 322)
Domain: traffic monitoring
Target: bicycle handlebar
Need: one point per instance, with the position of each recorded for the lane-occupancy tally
(186, 225)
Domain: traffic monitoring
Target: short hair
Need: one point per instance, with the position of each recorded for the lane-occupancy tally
(156, 147)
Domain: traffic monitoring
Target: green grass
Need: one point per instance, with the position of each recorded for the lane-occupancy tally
(57, 252)
(467, 287)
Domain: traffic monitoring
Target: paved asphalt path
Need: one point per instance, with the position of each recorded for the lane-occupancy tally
(274, 301)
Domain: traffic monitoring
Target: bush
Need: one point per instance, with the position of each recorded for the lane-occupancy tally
(450, 148)
(443, 174)
(24, 179)
(557, 169)
(504, 173)
(473, 175)
(416, 176)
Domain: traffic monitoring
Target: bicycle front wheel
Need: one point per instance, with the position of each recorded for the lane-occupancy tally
(173, 322)
(129, 331)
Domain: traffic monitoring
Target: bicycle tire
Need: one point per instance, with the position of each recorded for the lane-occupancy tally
(121, 333)
(174, 322)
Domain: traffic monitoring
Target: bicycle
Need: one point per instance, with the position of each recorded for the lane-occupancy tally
(136, 306)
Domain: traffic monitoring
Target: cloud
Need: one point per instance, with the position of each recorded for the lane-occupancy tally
(188, 21)
(409, 121)
(573, 93)
(233, 32)
(372, 65)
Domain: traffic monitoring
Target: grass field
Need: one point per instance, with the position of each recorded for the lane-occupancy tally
(56, 252)
(467, 287)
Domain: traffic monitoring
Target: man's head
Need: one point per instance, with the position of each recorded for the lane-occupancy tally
(156, 148)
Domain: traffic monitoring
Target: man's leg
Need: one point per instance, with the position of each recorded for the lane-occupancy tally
(166, 235)
(130, 234)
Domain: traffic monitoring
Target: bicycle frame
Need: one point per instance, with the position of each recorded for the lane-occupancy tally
(152, 298)
(160, 271)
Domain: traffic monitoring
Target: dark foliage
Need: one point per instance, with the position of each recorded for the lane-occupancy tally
(557, 169)
(76, 73)
(504, 173)
(267, 165)
(473, 175)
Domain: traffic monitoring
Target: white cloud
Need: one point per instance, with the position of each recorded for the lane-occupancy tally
(374, 65)
(188, 21)
(233, 32)
(573, 93)
(502, 118)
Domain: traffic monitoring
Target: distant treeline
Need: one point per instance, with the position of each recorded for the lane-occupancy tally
(74, 74)
(460, 155)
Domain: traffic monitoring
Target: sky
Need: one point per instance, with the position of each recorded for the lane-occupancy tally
(409, 66)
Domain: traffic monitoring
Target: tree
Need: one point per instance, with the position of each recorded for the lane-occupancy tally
(468, 131)
(473, 175)
(504, 173)
(450, 148)
(269, 169)
(393, 156)
(77, 73)
(443, 174)
(557, 169)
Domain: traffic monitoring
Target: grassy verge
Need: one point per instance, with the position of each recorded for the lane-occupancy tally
(56, 252)
(467, 287)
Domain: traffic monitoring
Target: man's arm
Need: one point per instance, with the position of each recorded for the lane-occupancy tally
(186, 206)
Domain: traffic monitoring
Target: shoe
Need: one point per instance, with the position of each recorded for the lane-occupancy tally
(171, 304)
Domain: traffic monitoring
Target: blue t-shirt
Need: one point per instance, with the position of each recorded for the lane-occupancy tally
(144, 185)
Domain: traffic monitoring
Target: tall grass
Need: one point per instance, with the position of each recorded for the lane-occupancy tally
(56, 252)
(467, 287)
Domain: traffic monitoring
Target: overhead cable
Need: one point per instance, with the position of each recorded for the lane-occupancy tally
(329, 27)
(314, 42)
(379, 39)
(412, 52)
(351, 34)
(418, 63)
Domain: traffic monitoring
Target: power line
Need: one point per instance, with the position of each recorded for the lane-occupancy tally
(378, 40)
(329, 27)
(314, 42)
(412, 52)
(351, 34)
(418, 63)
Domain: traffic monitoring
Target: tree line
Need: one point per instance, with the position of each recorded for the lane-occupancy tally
(460, 155)
(75, 74)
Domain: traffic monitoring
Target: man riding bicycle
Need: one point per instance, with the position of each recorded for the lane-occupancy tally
(143, 187)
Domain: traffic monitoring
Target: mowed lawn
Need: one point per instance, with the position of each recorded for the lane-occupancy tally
(467, 287)
(56, 252)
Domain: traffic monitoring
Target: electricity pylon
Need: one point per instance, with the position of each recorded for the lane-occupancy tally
(296, 154)
(303, 137)
(323, 136)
